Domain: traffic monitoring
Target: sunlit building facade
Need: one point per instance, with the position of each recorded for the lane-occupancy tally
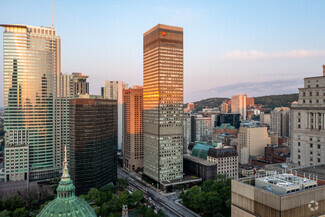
(31, 66)
(133, 128)
(163, 102)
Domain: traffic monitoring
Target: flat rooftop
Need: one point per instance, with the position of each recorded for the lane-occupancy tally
(198, 160)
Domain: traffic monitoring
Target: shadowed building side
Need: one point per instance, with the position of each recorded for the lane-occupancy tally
(93, 128)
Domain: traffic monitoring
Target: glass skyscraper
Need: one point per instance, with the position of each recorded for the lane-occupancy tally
(31, 67)
(163, 103)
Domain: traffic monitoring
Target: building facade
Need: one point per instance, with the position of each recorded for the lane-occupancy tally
(280, 121)
(203, 128)
(68, 87)
(93, 129)
(252, 142)
(163, 102)
(232, 119)
(114, 90)
(238, 105)
(133, 128)
(31, 66)
(188, 120)
(16, 155)
(224, 108)
(308, 123)
(277, 195)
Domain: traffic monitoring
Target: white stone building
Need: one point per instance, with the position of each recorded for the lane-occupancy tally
(308, 128)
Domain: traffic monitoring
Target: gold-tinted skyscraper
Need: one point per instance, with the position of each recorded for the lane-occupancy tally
(163, 102)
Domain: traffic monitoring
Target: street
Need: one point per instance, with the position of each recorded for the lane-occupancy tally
(165, 202)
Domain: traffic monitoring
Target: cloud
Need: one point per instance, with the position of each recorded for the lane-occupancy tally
(258, 55)
(250, 88)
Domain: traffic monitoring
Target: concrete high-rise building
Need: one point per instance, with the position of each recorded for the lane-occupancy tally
(238, 105)
(188, 125)
(163, 103)
(203, 128)
(280, 121)
(114, 90)
(31, 66)
(68, 87)
(251, 142)
(224, 108)
(133, 128)
(80, 84)
(93, 127)
(265, 118)
(308, 123)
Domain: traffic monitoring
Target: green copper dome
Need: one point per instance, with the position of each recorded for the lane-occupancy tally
(67, 204)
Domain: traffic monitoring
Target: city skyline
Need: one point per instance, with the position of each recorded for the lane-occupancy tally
(253, 44)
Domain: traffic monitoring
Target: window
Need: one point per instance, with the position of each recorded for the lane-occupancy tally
(311, 94)
(311, 145)
(298, 143)
(318, 146)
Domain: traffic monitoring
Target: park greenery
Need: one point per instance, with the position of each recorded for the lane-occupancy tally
(212, 198)
(106, 201)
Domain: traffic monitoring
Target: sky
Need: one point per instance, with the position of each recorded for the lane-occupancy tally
(230, 47)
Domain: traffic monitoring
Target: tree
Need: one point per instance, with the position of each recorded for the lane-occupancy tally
(160, 213)
(108, 188)
(114, 203)
(5, 213)
(93, 194)
(121, 184)
(124, 198)
(20, 212)
(150, 213)
(137, 197)
(13, 203)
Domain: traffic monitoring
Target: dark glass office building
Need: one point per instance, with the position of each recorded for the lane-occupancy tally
(93, 128)
(233, 119)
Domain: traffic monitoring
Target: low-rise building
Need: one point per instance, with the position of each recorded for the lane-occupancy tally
(275, 195)
(225, 157)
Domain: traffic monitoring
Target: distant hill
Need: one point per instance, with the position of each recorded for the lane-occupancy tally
(271, 101)
(210, 102)
(277, 100)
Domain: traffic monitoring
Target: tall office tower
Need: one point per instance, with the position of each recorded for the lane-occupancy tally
(31, 65)
(224, 108)
(238, 105)
(68, 87)
(114, 90)
(133, 128)
(93, 127)
(308, 123)
(80, 84)
(280, 121)
(163, 102)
